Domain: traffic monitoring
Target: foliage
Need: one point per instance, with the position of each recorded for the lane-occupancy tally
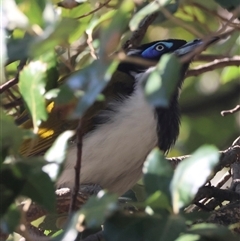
(49, 56)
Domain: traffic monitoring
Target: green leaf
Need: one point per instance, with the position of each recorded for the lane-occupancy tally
(54, 35)
(213, 232)
(56, 154)
(82, 23)
(34, 11)
(191, 174)
(32, 84)
(9, 142)
(189, 237)
(97, 209)
(172, 8)
(88, 83)
(70, 232)
(157, 173)
(40, 189)
(147, 10)
(173, 227)
(18, 49)
(162, 81)
(26, 178)
(11, 184)
(64, 95)
(10, 220)
(98, 20)
(159, 200)
(137, 227)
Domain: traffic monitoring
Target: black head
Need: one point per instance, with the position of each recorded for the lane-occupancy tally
(151, 51)
(155, 50)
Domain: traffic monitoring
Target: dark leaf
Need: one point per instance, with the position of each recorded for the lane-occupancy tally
(88, 83)
(57, 34)
(26, 179)
(18, 49)
(213, 232)
(143, 227)
(95, 211)
(10, 220)
(157, 173)
(9, 142)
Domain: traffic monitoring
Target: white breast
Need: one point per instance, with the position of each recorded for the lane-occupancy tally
(113, 154)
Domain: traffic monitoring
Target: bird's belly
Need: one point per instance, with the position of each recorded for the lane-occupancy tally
(113, 154)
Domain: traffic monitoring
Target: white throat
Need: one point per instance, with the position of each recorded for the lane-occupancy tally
(113, 154)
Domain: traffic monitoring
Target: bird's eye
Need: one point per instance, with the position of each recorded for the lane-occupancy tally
(159, 47)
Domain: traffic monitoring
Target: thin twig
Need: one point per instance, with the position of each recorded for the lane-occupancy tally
(77, 168)
(8, 84)
(228, 112)
(174, 161)
(13, 81)
(209, 57)
(95, 10)
(216, 64)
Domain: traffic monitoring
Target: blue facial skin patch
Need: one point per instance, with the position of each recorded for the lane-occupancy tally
(152, 52)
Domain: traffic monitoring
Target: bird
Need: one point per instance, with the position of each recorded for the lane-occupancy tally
(120, 132)
(118, 137)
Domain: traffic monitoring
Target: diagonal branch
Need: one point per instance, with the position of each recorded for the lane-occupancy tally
(232, 111)
(216, 64)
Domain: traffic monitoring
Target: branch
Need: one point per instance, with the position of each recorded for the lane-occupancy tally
(8, 84)
(13, 81)
(227, 215)
(14, 103)
(174, 161)
(216, 64)
(138, 34)
(77, 168)
(228, 112)
(95, 10)
(228, 157)
(236, 177)
(220, 194)
(236, 171)
(209, 57)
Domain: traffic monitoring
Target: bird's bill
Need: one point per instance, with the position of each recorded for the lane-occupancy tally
(190, 46)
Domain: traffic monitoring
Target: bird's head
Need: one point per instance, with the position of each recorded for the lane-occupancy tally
(155, 50)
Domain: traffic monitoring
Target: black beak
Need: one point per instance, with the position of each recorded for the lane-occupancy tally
(190, 46)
